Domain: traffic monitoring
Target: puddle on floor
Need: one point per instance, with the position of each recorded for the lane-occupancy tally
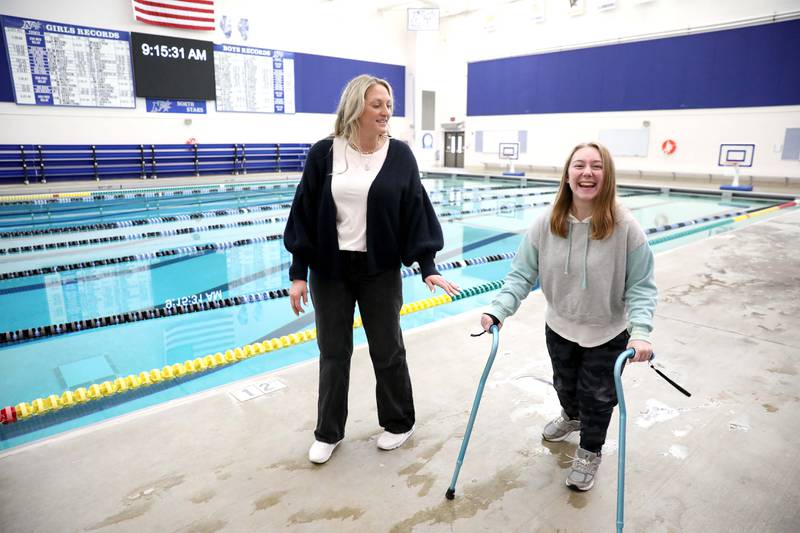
(654, 413)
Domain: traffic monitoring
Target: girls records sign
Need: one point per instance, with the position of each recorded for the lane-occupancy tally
(57, 64)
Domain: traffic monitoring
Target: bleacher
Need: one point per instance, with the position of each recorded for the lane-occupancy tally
(26, 163)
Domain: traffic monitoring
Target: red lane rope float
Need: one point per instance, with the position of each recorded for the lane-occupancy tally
(765, 211)
(669, 146)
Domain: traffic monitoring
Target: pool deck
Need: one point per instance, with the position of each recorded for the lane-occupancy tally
(726, 459)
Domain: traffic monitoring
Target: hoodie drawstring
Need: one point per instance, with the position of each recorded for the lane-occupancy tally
(586, 254)
(584, 283)
(569, 247)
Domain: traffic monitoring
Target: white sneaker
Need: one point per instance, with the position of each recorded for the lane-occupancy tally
(320, 452)
(390, 441)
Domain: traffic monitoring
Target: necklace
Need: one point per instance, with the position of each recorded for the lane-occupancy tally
(367, 156)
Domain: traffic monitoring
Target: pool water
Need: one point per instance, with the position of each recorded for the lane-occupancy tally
(476, 224)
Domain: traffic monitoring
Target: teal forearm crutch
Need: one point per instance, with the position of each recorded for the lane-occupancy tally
(628, 354)
(451, 491)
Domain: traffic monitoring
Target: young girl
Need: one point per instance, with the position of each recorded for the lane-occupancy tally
(595, 269)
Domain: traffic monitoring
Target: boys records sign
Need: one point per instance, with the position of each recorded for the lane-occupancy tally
(66, 65)
(254, 80)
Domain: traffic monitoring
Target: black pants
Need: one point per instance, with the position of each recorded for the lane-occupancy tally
(584, 381)
(379, 297)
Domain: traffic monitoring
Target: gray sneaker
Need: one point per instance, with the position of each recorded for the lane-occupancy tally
(560, 428)
(584, 469)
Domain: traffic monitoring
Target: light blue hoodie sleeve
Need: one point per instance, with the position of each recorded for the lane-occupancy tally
(640, 292)
(518, 282)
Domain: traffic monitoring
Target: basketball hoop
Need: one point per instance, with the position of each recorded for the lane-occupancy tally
(736, 156)
(735, 165)
(510, 152)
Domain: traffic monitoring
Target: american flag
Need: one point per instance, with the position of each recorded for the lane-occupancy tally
(185, 14)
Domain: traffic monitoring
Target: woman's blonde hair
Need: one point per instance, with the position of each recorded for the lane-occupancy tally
(351, 105)
(603, 214)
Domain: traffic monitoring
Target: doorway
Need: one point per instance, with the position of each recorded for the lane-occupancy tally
(454, 149)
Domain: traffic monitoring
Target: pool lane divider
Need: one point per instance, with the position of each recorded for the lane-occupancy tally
(201, 214)
(162, 311)
(75, 220)
(31, 198)
(115, 202)
(98, 391)
(182, 250)
(140, 236)
(199, 229)
(155, 192)
(145, 221)
(502, 196)
(144, 192)
(181, 309)
(223, 245)
(772, 209)
(195, 229)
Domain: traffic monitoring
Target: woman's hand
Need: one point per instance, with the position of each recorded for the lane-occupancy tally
(298, 290)
(487, 322)
(643, 349)
(435, 280)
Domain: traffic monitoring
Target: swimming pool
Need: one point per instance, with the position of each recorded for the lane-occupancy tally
(100, 286)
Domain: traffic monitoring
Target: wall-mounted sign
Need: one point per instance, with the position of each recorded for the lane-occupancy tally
(254, 80)
(65, 65)
(171, 67)
(193, 107)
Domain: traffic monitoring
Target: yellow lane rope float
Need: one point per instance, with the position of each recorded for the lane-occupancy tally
(96, 391)
(120, 385)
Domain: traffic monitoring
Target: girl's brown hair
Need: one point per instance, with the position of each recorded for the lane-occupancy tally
(603, 214)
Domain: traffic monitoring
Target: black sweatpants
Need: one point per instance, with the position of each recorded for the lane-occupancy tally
(379, 297)
(584, 381)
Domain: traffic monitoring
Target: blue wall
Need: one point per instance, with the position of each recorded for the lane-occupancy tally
(6, 91)
(319, 81)
(747, 67)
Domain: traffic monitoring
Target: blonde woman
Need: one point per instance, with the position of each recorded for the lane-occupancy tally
(359, 212)
(595, 268)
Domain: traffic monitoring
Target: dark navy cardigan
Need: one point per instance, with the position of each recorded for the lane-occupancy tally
(401, 223)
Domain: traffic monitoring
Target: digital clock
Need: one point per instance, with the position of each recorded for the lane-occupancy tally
(174, 52)
(172, 67)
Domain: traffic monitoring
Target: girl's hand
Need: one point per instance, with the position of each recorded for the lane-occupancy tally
(436, 280)
(487, 322)
(644, 350)
(298, 291)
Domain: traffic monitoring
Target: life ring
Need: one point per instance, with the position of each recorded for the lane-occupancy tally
(669, 146)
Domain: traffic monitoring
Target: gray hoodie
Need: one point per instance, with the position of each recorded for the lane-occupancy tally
(594, 289)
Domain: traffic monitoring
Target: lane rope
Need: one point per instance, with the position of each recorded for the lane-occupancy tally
(214, 213)
(148, 192)
(198, 306)
(97, 391)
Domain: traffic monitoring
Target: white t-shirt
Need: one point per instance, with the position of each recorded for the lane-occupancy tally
(353, 174)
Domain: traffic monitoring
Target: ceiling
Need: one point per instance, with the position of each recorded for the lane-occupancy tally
(447, 8)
